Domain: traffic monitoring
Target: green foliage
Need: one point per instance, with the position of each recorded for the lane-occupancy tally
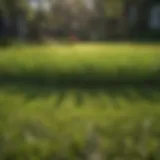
(114, 9)
(11, 8)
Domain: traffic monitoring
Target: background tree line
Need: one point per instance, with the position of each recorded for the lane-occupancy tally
(88, 19)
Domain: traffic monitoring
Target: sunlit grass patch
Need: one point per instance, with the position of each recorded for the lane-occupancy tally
(96, 62)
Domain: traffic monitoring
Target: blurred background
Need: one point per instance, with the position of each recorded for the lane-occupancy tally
(88, 20)
(87, 101)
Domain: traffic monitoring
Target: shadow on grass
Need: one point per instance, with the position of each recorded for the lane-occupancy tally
(132, 93)
(79, 98)
(60, 97)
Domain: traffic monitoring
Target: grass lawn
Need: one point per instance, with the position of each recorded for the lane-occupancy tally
(82, 63)
(46, 121)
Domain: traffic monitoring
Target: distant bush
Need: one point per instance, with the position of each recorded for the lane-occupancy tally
(5, 42)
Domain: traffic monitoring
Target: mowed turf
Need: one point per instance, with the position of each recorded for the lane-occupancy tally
(42, 122)
(82, 63)
(48, 121)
